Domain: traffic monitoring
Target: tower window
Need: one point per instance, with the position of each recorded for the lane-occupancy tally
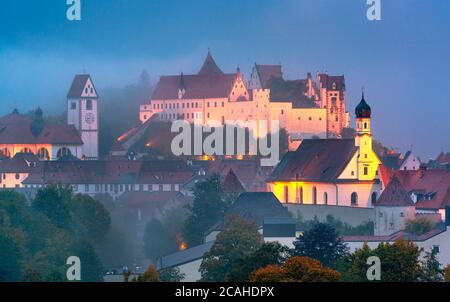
(365, 125)
(89, 105)
(314, 195)
(73, 105)
(286, 194)
(366, 171)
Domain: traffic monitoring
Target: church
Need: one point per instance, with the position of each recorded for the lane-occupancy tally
(25, 133)
(340, 172)
(317, 110)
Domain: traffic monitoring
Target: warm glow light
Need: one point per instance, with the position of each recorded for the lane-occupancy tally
(182, 246)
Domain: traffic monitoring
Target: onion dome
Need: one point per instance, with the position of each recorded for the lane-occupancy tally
(363, 109)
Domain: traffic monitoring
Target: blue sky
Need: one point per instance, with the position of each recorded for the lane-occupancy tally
(402, 61)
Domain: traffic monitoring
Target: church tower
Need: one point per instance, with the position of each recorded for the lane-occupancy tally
(82, 112)
(368, 161)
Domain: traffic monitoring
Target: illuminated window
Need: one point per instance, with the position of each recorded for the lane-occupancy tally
(26, 150)
(43, 154)
(366, 171)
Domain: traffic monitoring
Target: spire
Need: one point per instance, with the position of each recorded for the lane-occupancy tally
(210, 66)
(363, 110)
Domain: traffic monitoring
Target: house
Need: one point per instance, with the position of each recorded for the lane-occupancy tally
(393, 209)
(342, 172)
(398, 161)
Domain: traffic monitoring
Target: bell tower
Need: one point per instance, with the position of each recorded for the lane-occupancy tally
(368, 161)
(82, 112)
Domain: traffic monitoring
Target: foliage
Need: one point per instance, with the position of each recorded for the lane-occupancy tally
(321, 242)
(399, 262)
(156, 242)
(36, 240)
(447, 273)
(238, 240)
(270, 253)
(296, 269)
(93, 220)
(150, 275)
(171, 275)
(419, 226)
(343, 228)
(209, 206)
(431, 268)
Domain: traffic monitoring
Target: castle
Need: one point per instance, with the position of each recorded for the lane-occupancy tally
(304, 108)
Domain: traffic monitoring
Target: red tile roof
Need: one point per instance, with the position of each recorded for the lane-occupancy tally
(197, 86)
(435, 183)
(394, 195)
(111, 172)
(327, 82)
(16, 129)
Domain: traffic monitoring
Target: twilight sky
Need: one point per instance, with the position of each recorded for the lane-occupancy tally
(402, 61)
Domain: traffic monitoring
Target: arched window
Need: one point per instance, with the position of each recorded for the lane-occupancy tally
(63, 152)
(373, 199)
(5, 153)
(314, 195)
(366, 171)
(354, 199)
(286, 194)
(26, 150)
(43, 154)
(325, 198)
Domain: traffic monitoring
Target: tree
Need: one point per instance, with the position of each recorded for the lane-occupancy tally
(91, 267)
(447, 273)
(156, 240)
(208, 207)
(238, 240)
(419, 226)
(431, 267)
(270, 253)
(12, 252)
(269, 273)
(399, 262)
(171, 275)
(150, 275)
(321, 242)
(54, 202)
(296, 269)
(91, 218)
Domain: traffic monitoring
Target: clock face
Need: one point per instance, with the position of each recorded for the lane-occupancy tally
(90, 118)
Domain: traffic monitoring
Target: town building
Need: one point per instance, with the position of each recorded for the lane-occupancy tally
(212, 95)
(399, 161)
(341, 172)
(25, 133)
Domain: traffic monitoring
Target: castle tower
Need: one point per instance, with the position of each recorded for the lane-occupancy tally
(82, 112)
(368, 161)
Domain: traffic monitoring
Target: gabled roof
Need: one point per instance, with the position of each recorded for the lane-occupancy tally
(197, 86)
(315, 160)
(231, 183)
(256, 206)
(393, 161)
(332, 82)
(266, 72)
(209, 66)
(394, 195)
(78, 84)
(435, 184)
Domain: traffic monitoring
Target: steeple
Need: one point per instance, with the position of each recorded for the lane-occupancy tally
(210, 66)
(181, 87)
